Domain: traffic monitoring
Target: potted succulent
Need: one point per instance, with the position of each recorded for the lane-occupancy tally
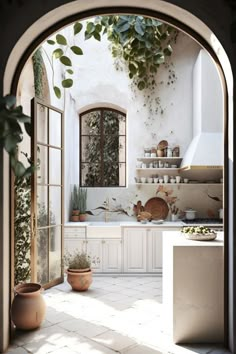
(79, 273)
(75, 203)
(82, 196)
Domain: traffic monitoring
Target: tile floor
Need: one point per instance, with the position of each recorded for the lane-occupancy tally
(116, 315)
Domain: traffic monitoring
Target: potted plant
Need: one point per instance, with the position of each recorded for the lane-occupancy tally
(79, 273)
(75, 203)
(82, 196)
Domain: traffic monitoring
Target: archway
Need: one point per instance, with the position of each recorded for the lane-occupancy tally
(170, 13)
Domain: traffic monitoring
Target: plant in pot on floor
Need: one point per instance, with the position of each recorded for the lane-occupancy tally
(75, 203)
(79, 273)
(82, 196)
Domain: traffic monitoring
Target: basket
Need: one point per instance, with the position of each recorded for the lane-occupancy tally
(201, 237)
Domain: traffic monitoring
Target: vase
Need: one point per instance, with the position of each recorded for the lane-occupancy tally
(79, 281)
(28, 306)
(82, 217)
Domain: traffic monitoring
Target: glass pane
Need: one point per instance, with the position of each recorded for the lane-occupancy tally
(91, 149)
(42, 124)
(122, 177)
(42, 159)
(55, 205)
(122, 149)
(54, 166)
(90, 174)
(55, 253)
(111, 122)
(111, 173)
(122, 125)
(55, 120)
(42, 205)
(90, 123)
(42, 256)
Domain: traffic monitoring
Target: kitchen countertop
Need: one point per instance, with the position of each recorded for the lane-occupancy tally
(170, 224)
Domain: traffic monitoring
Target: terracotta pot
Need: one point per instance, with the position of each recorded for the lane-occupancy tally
(75, 212)
(79, 281)
(82, 217)
(28, 307)
(74, 218)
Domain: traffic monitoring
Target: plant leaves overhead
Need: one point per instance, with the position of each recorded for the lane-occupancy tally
(51, 42)
(57, 53)
(70, 71)
(57, 91)
(61, 39)
(77, 27)
(76, 50)
(65, 60)
(67, 83)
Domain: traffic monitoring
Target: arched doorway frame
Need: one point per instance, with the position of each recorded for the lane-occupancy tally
(62, 16)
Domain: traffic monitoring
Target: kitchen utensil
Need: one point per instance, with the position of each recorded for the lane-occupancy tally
(161, 164)
(144, 165)
(172, 180)
(160, 180)
(155, 180)
(151, 165)
(144, 221)
(174, 217)
(162, 144)
(157, 207)
(176, 151)
(190, 214)
(153, 154)
(185, 180)
(143, 179)
(158, 222)
(144, 215)
(166, 164)
(150, 180)
(168, 152)
(221, 213)
(147, 152)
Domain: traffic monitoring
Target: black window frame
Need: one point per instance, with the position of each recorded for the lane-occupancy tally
(102, 135)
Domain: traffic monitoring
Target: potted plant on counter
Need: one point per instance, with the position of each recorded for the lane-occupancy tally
(75, 203)
(82, 197)
(79, 273)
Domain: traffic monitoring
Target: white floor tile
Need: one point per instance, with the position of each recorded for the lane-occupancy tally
(114, 340)
(83, 328)
(140, 349)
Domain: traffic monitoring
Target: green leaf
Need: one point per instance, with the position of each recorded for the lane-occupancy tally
(69, 71)
(11, 141)
(61, 39)
(76, 50)
(87, 35)
(19, 169)
(67, 83)
(122, 26)
(97, 36)
(90, 27)
(57, 91)
(159, 59)
(65, 60)
(98, 27)
(139, 27)
(51, 42)
(10, 101)
(133, 68)
(28, 128)
(141, 85)
(57, 53)
(168, 50)
(77, 27)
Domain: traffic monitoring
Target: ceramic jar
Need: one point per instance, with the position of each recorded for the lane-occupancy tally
(79, 280)
(28, 307)
(190, 214)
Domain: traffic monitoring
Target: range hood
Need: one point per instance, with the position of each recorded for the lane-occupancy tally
(204, 157)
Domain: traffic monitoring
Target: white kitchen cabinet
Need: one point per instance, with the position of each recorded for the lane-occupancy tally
(154, 251)
(112, 256)
(108, 251)
(135, 250)
(74, 239)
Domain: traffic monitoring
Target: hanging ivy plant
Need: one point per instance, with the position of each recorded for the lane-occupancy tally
(59, 53)
(38, 73)
(143, 43)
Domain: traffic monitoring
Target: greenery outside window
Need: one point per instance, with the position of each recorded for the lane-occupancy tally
(103, 148)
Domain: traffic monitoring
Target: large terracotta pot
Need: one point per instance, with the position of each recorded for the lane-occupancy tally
(82, 217)
(28, 307)
(79, 280)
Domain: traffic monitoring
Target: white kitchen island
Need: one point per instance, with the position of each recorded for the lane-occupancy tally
(193, 289)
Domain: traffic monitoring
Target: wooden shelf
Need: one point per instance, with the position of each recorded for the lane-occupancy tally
(180, 184)
(159, 158)
(158, 169)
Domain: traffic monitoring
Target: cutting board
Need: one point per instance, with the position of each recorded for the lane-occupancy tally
(157, 207)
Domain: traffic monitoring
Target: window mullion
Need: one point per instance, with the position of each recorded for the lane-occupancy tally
(102, 147)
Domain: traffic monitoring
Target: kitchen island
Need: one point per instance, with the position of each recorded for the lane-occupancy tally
(193, 289)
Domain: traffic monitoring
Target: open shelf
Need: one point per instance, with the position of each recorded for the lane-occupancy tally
(180, 184)
(166, 169)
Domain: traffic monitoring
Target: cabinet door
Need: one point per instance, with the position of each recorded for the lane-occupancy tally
(112, 256)
(73, 243)
(94, 250)
(135, 250)
(154, 238)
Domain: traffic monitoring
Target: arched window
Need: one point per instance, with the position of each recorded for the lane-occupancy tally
(103, 148)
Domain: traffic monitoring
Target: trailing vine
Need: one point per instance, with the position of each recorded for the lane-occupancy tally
(38, 73)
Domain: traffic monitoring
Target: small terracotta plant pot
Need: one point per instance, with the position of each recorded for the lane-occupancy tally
(74, 215)
(28, 307)
(79, 281)
(82, 217)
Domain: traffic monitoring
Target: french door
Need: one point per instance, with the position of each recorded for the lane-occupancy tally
(47, 194)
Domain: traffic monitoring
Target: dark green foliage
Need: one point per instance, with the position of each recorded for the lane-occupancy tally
(22, 228)
(11, 133)
(38, 73)
(142, 42)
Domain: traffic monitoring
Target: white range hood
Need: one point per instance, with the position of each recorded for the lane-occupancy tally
(204, 157)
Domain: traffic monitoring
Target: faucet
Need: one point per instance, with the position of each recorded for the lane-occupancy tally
(106, 213)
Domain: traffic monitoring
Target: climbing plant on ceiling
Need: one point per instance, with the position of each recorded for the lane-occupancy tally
(143, 43)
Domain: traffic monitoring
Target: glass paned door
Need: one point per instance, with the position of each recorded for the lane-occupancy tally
(47, 194)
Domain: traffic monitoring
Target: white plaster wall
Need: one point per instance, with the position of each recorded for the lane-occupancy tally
(99, 83)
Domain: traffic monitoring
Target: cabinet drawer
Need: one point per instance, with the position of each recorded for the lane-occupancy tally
(75, 232)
